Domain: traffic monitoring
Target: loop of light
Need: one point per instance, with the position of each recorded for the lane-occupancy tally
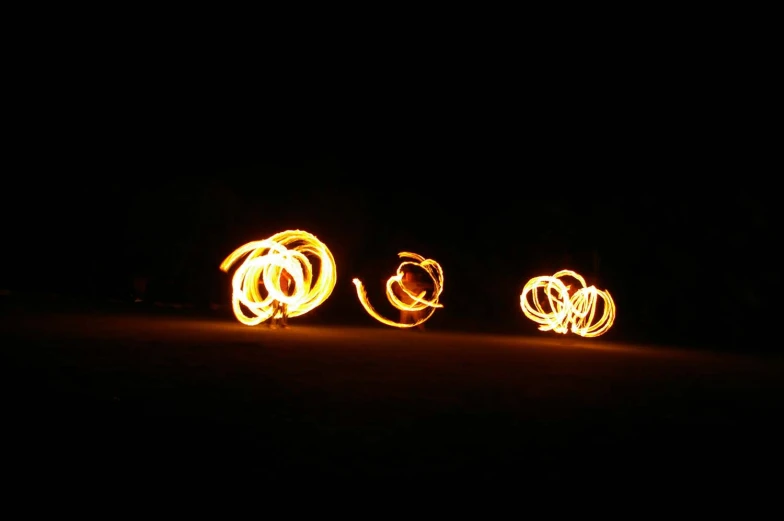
(562, 312)
(419, 302)
(264, 262)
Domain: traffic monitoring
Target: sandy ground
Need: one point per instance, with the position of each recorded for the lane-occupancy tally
(117, 394)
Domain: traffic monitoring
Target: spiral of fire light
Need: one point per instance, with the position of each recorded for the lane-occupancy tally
(291, 250)
(566, 310)
(418, 302)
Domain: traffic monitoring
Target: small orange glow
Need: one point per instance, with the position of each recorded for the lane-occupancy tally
(562, 310)
(293, 251)
(418, 302)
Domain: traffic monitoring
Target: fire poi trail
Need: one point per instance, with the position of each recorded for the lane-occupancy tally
(566, 309)
(417, 301)
(292, 250)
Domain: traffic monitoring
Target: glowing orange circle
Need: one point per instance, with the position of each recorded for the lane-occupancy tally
(264, 261)
(561, 311)
(418, 302)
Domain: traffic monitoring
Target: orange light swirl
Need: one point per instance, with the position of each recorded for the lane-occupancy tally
(560, 312)
(418, 301)
(264, 260)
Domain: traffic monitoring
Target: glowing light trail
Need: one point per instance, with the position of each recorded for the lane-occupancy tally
(417, 302)
(563, 310)
(291, 250)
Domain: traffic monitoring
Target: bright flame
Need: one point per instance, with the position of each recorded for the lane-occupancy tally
(563, 312)
(418, 300)
(264, 262)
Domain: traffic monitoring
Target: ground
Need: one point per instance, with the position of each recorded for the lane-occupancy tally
(116, 393)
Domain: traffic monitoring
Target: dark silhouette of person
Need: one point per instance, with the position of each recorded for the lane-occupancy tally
(280, 313)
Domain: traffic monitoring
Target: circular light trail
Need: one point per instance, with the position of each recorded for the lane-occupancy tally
(552, 304)
(418, 302)
(292, 250)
